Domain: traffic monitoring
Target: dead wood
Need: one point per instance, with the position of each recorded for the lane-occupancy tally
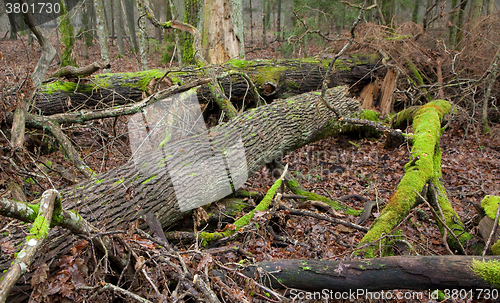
(124, 194)
(273, 79)
(409, 272)
(69, 72)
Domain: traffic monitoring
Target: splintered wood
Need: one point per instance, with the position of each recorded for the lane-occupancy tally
(369, 94)
(387, 90)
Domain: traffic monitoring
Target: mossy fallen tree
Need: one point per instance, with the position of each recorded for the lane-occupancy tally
(401, 272)
(167, 181)
(273, 79)
(422, 176)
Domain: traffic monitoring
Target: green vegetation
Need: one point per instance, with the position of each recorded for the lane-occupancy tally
(488, 271)
(427, 128)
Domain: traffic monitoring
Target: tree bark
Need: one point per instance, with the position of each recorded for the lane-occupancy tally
(143, 40)
(118, 16)
(129, 10)
(171, 180)
(273, 78)
(101, 29)
(402, 272)
(220, 42)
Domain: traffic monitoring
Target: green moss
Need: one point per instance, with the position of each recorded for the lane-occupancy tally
(238, 63)
(270, 73)
(40, 228)
(495, 248)
(369, 114)
(120, 181)
(207, 237)
(99, 181)
(488, 271)
(149, 179)
(427, 128)
(490, 205)
(297, 189)
(56, 86)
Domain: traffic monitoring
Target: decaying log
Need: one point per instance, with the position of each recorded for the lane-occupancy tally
(408, 272)
(151, 183)
(273, 78)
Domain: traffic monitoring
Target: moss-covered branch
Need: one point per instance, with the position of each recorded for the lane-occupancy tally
(38, 234)
(245, 219)
(427, 168)
(272, 78)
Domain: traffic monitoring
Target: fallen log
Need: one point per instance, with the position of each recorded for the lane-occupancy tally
(401, 272)
(176, 178)
(273, 78)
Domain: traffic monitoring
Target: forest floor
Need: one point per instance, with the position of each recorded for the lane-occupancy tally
(333, 167)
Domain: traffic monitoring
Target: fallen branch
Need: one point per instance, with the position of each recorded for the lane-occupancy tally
(324, 217)
(408, 272)
(38, 234)
(244, 220)
(76, 72)
(427, 131)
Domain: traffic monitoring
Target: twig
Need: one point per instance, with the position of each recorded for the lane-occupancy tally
(266, 289)
(322, 217)
(109, 286)
(462, 249)
(493, 231)
(332, 63)
(205, 289)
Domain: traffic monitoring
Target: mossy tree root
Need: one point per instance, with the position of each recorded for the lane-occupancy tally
(425, 167)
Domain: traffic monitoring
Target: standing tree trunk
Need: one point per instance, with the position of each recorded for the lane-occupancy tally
(414, 13)
(278, 21)
(118, 13)
(388, 10)
(461, 22)
(251, 20)
(108, 13)
(222, 30)
(143, 42)
(101, 29)
(87, 37)
(454, 22)
(490, 7)
(475, 13)
(13, 26)
(67, 37)
(129, 10)
(191, 16)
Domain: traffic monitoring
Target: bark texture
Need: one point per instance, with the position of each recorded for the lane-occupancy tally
(273, 78)
(408, 272)
(149, 183)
